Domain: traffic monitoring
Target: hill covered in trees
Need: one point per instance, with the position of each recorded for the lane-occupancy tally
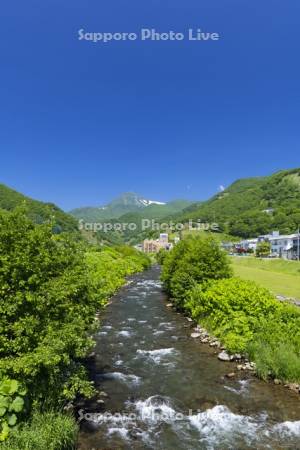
(248, 207)
(252, 206)
(37, 211)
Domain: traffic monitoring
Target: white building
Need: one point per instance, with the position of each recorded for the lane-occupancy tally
(249, 244)
(283, 245)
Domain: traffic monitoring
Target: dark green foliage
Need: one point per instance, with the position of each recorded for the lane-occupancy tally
(253, 206)
(46, 310)
(50, 290)
(193, 260)
(38, 212)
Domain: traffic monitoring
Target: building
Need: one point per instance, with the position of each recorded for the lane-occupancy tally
(247, 245)
(282, 246)
(296, 247)
(164, 238)
(154, 245)
(151, 246)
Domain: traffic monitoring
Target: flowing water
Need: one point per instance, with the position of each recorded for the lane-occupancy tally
(168, 391)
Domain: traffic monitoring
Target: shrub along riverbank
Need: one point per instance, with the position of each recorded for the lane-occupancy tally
(245, 317)
(51, 287)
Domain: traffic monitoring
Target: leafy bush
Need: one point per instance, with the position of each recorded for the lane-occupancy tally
(232, 309)
(11, 403)
(248, 318)
(48, 431)
(193, 260)
(160, 256)
(276, 346)
(263, 249)
(50, 291)
(46, 311)
(107, 269)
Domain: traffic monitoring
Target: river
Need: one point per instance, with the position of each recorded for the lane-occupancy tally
(167, 391)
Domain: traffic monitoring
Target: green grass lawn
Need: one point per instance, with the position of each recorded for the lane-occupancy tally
(279, 276)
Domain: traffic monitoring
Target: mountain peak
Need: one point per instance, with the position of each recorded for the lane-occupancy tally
(133, 199)
(128, 202)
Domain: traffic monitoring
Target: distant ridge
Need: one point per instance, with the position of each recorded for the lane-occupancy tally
(38, 211)
(126, 203)
(253, 206)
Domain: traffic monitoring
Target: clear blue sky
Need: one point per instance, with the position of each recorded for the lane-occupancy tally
(83, 122)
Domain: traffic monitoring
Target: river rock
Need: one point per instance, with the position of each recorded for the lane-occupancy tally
(236, 357)
(189, 319)
(195, 335)
(293, 387)
(169, 305)
(103, 394)
(277, 381)
(230, 375)
(223, 356)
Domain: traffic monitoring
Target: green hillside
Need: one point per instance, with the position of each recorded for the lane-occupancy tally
(125, 203)
(38, 211)
(253, 206)
(129, 203)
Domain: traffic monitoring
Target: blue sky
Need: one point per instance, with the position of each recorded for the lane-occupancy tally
(82, 122)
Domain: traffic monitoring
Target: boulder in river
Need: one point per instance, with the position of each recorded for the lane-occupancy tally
(195, 335)
(223, 356)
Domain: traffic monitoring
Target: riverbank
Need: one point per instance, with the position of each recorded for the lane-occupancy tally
(52, 286)
(243, 316)
(240, 361)
(159, 388)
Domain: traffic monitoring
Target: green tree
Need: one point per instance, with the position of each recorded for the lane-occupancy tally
(195, 259)
(263, 249)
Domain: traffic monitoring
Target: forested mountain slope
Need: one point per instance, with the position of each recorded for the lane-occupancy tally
(253, 206)
(38, 211)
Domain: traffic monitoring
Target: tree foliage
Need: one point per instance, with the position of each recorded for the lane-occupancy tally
(38, 212)
(263, 249)
(195, 259)
(51, 287)
(253, 206)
